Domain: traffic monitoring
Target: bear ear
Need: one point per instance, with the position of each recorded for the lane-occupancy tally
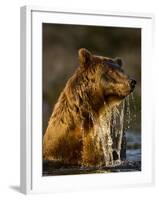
(119, 61)
(85, 57)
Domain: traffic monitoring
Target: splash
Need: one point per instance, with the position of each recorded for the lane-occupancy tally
(109, 130)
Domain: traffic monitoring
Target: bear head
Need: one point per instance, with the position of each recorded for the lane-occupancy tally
(106, 77)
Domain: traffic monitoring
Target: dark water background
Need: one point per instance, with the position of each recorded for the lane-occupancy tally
(133, 151)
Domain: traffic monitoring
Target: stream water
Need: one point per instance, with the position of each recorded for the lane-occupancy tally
(133, 151)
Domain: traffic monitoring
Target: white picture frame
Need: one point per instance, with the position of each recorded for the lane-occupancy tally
(31, 101)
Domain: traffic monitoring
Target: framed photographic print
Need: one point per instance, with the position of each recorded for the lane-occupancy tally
(86, 108)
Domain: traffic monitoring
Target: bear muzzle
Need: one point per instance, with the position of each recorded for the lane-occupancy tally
(132, 84)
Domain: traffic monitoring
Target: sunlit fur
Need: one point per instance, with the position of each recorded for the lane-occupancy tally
(94, 86)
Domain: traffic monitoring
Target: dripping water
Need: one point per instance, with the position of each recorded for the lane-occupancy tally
(111, 124)
(121, 129)
(105, 138)
(133, 106)
(128, 113)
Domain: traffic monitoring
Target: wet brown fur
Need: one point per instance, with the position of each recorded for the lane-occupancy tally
(94, 87)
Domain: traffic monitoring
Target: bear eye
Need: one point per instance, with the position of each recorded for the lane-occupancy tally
(110, 61)
(107, 62)
(113, 64)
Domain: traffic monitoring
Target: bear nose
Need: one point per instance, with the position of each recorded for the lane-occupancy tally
(132, 83)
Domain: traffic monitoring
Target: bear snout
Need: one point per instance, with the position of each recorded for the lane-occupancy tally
(132, 83)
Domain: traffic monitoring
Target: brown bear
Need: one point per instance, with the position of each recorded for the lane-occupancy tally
(78, 131)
